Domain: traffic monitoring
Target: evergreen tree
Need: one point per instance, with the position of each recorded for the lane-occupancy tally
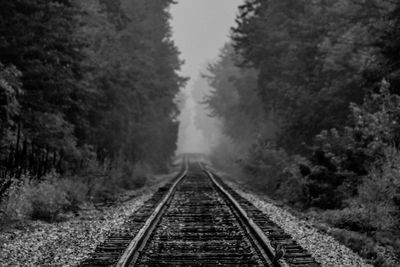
(37, 37)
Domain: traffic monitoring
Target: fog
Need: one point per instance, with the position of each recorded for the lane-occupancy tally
(200, 29)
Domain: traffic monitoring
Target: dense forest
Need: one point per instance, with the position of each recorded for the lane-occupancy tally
(308, 96)
(87, 89)
(304, 105)
(76, 79)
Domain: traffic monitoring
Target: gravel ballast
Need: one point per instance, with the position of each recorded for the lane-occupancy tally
(324, 248)
(70, 242)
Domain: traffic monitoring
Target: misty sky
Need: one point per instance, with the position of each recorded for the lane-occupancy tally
(201, 27)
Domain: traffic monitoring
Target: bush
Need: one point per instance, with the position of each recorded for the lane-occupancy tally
(41, 200)
(293, 190)
(104, 185)
(360, 243)
(374, 212)
(265, 164)
(352, 219)
(14, 206)
(76, 192)
(374, 208)
(134, 177)
(130, 177)
(47, 200)
(53, 196)
(104, 190)
(340, 159)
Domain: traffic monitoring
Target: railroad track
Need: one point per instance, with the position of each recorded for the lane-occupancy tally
(196, 220)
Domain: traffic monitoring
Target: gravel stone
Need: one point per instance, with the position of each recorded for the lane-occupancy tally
(324, 248)
(68, 243)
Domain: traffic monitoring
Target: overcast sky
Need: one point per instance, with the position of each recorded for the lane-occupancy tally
(200, 29)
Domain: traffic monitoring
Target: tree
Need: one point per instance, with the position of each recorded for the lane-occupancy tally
(235, 101)
(10, 91)
(37, 37)
(341, 158)
(311, 57)
(99, 78)
(133, 65)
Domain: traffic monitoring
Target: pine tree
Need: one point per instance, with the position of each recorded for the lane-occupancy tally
(37, 37)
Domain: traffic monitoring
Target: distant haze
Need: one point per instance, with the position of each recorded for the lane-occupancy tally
(201, 28)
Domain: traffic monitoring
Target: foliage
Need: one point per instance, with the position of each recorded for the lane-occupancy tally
(387, 63)
(355, 173)
(37, 38)
(92, 79)
(47, 201)
(340, 159)
(264, 163)
(130, 177)
(310, 57)
(234, 99)
(133, 65)
(10, 90)
(75, 190)
(306, 63)
(359, 243)
(53, 196)
(14, 206)
(37, 200)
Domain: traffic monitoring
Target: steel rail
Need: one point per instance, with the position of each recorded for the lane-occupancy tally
(260, 240)
(137, 244)
(256, 232)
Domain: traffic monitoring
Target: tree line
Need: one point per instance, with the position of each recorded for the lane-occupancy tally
(87, 81)
(308, 94)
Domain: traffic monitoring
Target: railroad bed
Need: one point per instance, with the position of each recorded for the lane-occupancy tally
(197, 220)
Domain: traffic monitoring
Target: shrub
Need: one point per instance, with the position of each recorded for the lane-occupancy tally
(266, 163)
(360, 243)
(47, 200)
(14, 206)
(95, 181)
(52, 196)
(130, 176)
(340, 159)
(365, 246)
(140, 175)
(106, 185)
(293, 189)
(41, 200)
(379, 192)
(374, 211)
(104, 190)
(76, 192)
(353, 219)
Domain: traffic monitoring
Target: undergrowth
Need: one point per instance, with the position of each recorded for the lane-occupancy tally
(52, 197)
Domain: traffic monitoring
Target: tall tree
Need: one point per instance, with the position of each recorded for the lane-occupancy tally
(10, 108)
(234, 100)
(135, 79)
(310, 56)
(38, 38)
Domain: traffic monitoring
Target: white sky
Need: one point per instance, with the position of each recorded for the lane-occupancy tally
(200, 29)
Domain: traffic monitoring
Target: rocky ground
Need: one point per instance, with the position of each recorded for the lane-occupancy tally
(68, 243)
(324, 248)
